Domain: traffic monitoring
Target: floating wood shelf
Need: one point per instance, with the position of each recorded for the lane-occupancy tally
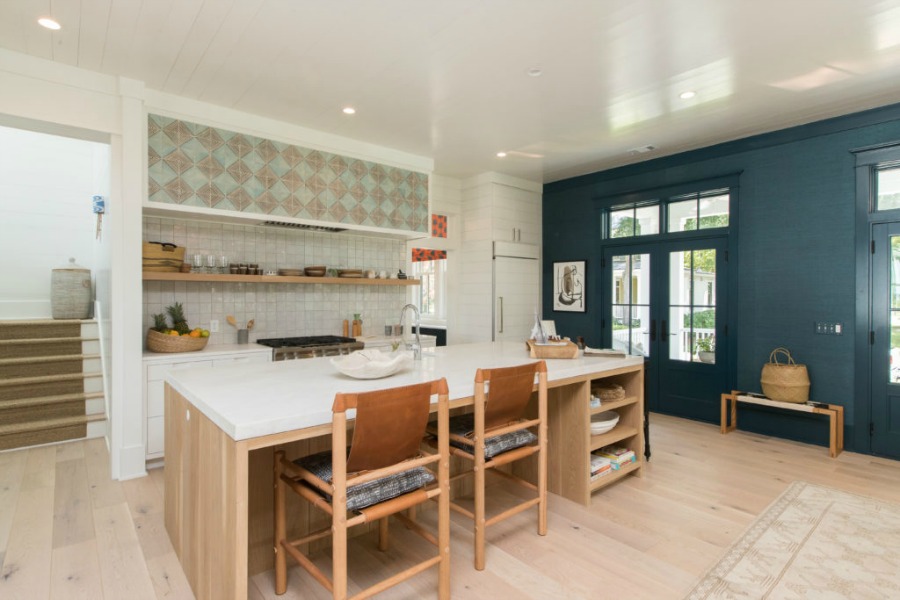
(203, 277)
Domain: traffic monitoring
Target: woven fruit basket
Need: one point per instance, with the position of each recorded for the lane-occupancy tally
(559, 350)
(160, 342)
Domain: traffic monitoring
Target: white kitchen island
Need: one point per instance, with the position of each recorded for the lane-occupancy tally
(223, 426)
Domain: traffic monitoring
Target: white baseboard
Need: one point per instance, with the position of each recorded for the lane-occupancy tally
(132, 463)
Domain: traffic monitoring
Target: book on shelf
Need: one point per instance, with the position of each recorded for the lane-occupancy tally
(600, 466)
(617, 456)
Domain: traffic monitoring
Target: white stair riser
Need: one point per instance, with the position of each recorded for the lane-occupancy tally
(91, 366)
(94, 406)
(96, 429)
(93, 384)
(90, 347)
(90, 330)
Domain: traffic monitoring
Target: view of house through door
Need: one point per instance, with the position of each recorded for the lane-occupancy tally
(885, 361)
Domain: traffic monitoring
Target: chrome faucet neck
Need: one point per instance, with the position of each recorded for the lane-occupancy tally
(416, 347)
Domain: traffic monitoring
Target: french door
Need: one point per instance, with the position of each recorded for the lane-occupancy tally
(667, 301)
(885, 357)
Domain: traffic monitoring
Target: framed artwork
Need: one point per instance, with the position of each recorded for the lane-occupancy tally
(568, 286)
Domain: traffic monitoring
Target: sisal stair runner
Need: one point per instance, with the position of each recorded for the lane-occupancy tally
(50, 382)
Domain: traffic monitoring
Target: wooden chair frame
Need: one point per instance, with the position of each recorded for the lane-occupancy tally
(309, 486)
(481, 466)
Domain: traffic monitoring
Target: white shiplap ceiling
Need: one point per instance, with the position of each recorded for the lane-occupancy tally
(449, 79)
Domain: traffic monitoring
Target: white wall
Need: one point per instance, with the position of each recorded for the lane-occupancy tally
(46, 184)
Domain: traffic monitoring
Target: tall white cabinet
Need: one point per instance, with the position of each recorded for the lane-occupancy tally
(494, 208)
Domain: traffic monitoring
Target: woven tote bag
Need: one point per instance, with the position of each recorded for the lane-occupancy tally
(786, 382)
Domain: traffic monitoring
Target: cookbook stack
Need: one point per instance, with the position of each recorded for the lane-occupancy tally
(618, 456)
(600, 466)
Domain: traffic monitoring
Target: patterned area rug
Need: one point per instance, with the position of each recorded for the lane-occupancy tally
(812, 542)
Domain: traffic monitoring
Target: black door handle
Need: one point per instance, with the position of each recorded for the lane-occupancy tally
(665, 331)
(653, 330)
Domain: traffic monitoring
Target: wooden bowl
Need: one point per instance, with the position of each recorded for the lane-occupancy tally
(314, 271)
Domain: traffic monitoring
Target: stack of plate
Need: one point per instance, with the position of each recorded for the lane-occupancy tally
(290, 272)
(350, 273)
(603, 422)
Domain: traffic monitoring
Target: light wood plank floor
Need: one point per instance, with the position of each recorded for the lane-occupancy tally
(67, 531)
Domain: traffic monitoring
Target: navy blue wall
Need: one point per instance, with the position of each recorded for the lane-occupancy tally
(796, 255)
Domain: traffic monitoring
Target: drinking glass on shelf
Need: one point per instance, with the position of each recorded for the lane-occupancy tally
(223, 264)
(210, 263)
(198, 263)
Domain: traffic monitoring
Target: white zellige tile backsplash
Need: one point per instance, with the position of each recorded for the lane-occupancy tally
(278, 309)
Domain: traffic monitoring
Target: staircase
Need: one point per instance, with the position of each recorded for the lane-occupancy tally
(51, 382)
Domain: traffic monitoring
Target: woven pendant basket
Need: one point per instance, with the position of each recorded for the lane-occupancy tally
(786, 382)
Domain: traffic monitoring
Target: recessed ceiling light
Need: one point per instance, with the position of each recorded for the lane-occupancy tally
(534, 72)
(349, 110)
(49, 23)
(501, 155)
(687, 95)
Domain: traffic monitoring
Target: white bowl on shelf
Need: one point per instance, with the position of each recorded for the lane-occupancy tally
(603, 422)
(372, 363)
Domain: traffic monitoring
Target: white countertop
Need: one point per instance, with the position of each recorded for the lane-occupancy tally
(252, 400)
(208, 352)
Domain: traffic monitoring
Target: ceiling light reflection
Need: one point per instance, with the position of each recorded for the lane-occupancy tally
(49, 23)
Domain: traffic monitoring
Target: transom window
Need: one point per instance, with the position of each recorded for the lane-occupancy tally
(887, 187)
(634, 220)
(688, 212)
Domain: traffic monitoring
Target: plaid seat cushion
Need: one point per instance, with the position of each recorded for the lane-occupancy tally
(371, 492)
(464, 425)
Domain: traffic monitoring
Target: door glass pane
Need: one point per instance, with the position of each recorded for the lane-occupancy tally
(894, 369)
(692, 301)
(683, 215)
(631, 303)
(714, 212)
(888, 186)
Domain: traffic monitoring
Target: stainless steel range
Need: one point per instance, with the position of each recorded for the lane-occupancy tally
(289, 348)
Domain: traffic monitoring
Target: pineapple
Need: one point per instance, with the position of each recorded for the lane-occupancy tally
(160, 324)
(179, 322)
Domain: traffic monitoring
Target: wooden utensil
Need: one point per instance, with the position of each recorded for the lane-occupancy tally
(250, 323)
(231, 321)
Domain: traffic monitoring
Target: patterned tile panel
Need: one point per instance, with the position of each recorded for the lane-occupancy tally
(196, 165)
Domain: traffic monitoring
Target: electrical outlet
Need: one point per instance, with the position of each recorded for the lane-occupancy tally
(214, 326)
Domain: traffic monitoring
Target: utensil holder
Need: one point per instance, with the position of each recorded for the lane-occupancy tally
(243, 336)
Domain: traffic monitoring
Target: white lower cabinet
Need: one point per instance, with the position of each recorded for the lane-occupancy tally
(156, 366)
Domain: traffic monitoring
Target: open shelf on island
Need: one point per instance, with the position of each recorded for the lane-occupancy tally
(571, 442)
(617, 434)
(614, 475)
(614, 404)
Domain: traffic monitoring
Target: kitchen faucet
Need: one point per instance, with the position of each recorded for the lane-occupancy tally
(416, 346)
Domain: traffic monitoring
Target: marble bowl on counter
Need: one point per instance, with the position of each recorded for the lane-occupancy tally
(372, 363)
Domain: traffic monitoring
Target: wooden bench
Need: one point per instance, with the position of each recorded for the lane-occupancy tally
(835, 414)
